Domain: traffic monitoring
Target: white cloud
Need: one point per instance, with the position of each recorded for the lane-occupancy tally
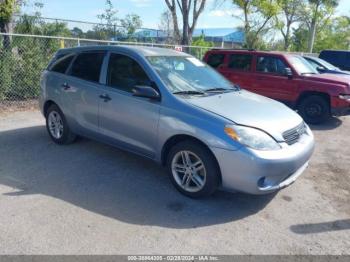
(141, 3)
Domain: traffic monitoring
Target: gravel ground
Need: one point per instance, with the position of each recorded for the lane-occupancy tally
(90, 198)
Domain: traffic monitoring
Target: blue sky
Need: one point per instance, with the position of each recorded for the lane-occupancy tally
(148, 10)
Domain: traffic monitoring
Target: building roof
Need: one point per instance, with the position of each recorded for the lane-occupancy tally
(217, 34)
(225, 34)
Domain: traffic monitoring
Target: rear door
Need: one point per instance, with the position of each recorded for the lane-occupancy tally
(81, 91)
(239, 70)
(270, 78)
(215, 60)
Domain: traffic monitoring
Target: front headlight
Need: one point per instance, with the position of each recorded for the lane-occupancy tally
(252, 137)
(345, 97)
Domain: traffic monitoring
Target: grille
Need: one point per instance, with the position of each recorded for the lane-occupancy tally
(293, 135)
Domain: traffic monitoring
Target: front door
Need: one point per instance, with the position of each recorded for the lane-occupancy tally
(270, 79)
(128, 121)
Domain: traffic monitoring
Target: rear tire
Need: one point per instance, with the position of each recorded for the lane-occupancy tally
(314, 109)
(57, 126)
(197, 177)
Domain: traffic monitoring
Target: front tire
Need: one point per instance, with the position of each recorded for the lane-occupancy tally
(314, 109)
(193, 169)
(57, 126)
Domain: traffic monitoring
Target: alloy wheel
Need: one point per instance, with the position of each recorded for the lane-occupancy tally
(55, 124)
(188, 171)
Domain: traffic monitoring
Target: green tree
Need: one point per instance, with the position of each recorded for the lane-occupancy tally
(77, 32)
(7, 10)
(190, 11)
(334, 35)
(166, 26)
(130, 23)
(290, 13)
(108, 20)
(203, 46)
(257, 16)
(316, 11)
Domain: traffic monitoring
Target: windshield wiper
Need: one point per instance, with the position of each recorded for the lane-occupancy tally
(220, 89)
(189, 92)
(309, 73)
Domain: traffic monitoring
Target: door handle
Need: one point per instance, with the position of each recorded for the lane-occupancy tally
(105, 97)
(66, 86)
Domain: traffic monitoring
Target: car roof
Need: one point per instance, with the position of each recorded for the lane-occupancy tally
(335, 51)
(312, 58)
(244, 51)
(140, 50)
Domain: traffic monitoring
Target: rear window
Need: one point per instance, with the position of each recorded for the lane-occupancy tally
(61, 65)
(215, 60)
(87, 66)
(240, 62)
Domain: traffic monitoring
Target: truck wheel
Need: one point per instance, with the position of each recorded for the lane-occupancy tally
(193, 169)
(314, 109)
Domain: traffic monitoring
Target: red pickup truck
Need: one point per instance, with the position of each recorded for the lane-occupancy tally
(287, 78)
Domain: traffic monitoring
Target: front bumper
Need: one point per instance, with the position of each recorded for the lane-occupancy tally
(261, 172)
(340, 107)
(341, 111)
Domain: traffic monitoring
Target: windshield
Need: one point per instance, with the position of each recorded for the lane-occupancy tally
(301, 65)
(326, 64)
(188, 74)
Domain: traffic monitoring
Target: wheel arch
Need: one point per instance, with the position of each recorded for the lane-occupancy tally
(305, 94)
(47, 105)
(180, 138)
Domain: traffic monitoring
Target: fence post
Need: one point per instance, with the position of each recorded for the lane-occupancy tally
(78, 41)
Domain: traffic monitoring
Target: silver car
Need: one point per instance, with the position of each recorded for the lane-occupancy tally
(172, 108)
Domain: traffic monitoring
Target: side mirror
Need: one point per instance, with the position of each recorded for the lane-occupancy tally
(146, 91)
(288, 72)
(320, 69)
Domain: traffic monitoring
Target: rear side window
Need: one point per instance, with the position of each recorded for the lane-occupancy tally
(270, 64)
(62, 64)
(215, 60)
(87, 66)
(240, 62)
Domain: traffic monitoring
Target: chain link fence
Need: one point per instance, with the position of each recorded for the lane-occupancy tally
(24, 57)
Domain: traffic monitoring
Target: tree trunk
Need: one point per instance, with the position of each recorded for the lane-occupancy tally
(312, 36)
(5, 28)
(287, 37)
(172, 8)
(313, 30)
(185, 22)
(185, 8)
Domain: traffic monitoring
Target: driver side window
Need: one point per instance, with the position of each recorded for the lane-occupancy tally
(125, 73)
(270, 64)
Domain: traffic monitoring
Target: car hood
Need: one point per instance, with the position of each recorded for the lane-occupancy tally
(330, 78)
(249, 109)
